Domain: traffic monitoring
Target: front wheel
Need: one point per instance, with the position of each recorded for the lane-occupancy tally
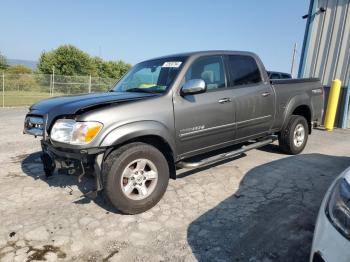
(135, 177)
(293, 137)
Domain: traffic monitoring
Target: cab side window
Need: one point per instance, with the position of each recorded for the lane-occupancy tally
(243, 70)
(210, 69)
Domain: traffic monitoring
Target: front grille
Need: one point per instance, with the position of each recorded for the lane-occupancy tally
(34, 125)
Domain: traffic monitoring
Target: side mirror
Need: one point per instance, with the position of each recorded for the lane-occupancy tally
(193, 86)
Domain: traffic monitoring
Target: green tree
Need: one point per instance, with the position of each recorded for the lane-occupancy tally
(118, 68)
(3, 62)
(98, 65)
(19, 69)
(71, 61)
(109, 69)
(67, 60)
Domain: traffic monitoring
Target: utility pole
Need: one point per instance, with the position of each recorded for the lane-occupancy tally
(293, 59)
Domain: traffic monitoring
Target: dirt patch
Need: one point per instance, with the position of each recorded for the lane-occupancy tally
(19, 158)
(113, 248)
(39, 253)
(14, 175)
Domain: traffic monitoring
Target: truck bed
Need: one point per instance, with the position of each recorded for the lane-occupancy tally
(303, 90)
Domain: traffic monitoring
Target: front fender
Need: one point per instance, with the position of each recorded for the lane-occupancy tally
(134, 130)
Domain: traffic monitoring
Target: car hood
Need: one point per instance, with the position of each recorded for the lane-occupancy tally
(70, 105)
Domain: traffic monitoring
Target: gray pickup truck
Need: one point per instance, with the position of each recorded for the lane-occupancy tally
(180, 111)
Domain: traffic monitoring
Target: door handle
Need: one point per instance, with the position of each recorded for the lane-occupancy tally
(266, 94)
(224, 100)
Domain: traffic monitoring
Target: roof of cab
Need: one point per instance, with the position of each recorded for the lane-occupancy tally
(210, 52)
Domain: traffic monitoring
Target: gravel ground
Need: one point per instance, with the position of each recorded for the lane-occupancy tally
(259, 207)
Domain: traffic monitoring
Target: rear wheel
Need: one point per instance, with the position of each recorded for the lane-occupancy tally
(135, 177)
(293, 137)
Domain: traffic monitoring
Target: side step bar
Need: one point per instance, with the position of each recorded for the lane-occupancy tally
(227, 155)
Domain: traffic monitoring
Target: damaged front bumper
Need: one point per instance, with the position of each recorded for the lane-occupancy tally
(73, 162)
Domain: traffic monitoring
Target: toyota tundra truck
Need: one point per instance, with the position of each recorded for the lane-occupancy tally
(180, 111)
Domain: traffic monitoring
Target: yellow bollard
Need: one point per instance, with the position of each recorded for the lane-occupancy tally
(332, 104)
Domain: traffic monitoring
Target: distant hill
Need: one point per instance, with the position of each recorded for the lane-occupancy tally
(28, 63)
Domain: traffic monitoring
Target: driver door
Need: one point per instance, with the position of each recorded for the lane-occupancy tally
(205, 121)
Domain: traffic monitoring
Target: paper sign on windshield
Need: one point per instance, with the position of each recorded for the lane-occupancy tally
(175, 64)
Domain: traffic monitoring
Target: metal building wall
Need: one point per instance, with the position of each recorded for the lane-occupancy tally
(327, 54)
(326, 50)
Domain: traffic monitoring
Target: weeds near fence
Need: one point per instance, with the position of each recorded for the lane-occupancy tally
(26, 89)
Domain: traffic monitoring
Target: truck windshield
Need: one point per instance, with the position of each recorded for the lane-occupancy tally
(153, 76)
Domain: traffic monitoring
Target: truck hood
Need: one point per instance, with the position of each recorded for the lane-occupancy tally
(70, 105)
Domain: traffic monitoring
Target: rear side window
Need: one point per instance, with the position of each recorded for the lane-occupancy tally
(210, 69)
(286, 76)
(243, 70)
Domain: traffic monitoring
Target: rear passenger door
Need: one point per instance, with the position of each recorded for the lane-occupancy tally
(253, 98)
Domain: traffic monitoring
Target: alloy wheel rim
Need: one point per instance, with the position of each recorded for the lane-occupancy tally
(139, 179)
(299, 135)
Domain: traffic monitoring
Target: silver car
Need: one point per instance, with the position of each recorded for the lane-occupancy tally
(332, 233)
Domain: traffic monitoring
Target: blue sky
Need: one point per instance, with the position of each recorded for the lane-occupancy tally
(136, 30)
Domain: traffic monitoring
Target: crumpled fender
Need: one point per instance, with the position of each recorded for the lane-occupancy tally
(134, 130)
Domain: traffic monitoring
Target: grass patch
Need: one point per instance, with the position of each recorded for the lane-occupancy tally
(24, 98)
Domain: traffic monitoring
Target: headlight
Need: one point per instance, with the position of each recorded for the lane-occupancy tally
(34, 125)
(71, 132)
(338, 206)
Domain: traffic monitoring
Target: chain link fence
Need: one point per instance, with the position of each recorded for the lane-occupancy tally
(26, 89)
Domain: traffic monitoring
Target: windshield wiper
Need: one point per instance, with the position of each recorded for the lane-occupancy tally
(140, 90)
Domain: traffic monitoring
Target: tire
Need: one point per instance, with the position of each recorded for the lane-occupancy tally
(121, 171)
(289, 140)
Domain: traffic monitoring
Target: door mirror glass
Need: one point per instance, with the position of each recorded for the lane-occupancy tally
(193, 86)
